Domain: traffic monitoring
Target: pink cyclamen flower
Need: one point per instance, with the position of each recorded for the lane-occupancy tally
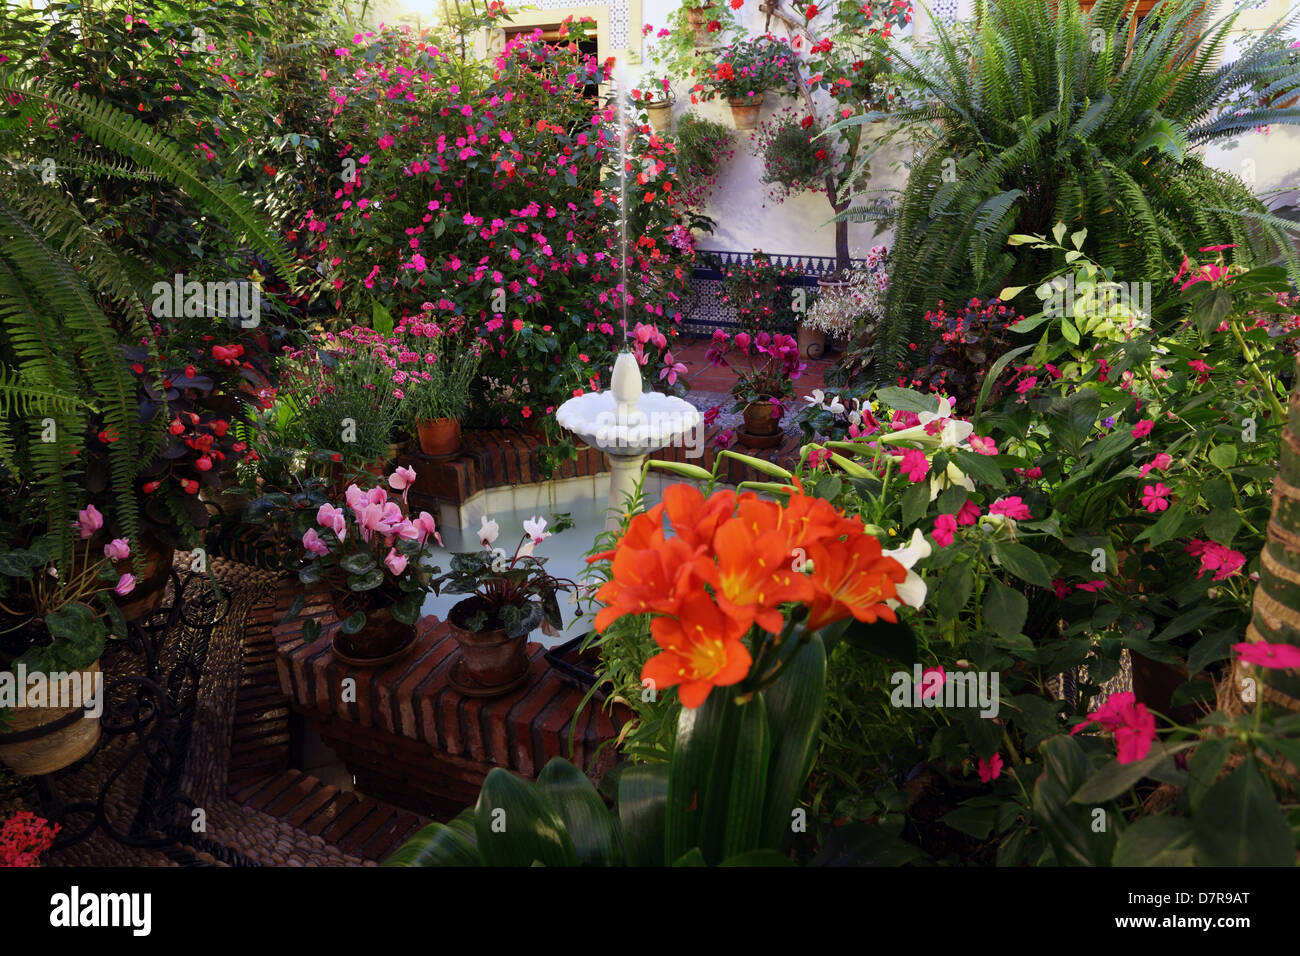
(402, 479)
(968, 513)
(991, 769)
(119, 549)
(426, 526)
(333, 518)
(375, 520)
(395, 561)
(932, 681)
(1143, 428)
(125, 584)
(944, 527)
(1156, 497)
(1272, 656)
(89, 520)
(1011, 507)
(313, 542)
(1132, 723)
(914, 464)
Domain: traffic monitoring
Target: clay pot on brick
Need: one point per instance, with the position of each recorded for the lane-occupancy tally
(812, 343)
(660, 113)
(744, 111)
(40, 740)
(491, 663)
(439, 437)
(381, 639)
(762, 428)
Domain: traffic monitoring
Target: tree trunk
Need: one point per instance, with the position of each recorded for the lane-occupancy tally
(1276, 617)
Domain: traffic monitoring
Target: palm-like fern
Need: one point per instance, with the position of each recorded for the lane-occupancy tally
(1046, 116)
(70, 301)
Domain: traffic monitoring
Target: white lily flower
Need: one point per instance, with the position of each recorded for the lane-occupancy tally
(952, 475)
(953, 433)
(912, 590)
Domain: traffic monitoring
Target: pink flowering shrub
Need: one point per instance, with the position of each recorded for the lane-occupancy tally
(488, 193)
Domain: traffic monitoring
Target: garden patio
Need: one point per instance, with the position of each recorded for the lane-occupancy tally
(425, 441)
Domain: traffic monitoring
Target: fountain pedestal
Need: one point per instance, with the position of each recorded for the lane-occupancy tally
(628, 426)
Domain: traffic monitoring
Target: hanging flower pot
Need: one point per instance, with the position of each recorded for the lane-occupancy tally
(660, 113)
(41, 740)
(439, 437)
(744, 111)
(491, 663)
(698, 18)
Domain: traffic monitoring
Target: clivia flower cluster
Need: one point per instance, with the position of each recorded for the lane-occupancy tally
(732, 569)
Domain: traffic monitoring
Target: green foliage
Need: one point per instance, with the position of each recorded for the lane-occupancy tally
(1045, 116)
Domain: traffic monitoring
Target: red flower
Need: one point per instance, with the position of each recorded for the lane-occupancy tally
(811, 11)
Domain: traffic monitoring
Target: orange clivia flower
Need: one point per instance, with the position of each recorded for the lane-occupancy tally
(646, 580)
(852, 577)
(755, 570)
(695, 518)
(702, 649)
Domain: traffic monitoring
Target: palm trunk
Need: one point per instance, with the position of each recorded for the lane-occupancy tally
(1276, 617)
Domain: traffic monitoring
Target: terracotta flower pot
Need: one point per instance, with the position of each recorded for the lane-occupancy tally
(493, 661)
(40, 740)
(761, 418)
(380, 638)
(439, 437)
(744, 111)
(812, 343)
(660, 113)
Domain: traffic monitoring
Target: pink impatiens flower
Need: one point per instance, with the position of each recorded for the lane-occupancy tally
(982, 445)
(991, 769)
(1272, 656)
(1223, 561)
(944, 527)
(1143, 428)
(968, 513)
(1156, 497)
(1010, 507)
(1132, 723)
(914, 464)
(1161, 462)
(932, 681)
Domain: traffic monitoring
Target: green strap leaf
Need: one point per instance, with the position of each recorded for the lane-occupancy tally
(588, 821)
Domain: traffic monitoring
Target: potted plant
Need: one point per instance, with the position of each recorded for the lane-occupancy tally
(342, 396)
(655, 94)
(842, 305)
(794, 159)
(433, 367)
(766, 367)
(369, 556)
(58, 614)
(510, 595)
(741, 72)
(759, 290)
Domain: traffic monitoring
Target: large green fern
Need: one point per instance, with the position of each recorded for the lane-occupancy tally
(1043, 114)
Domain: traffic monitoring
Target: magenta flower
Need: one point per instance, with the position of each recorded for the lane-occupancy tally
(125, 584)
(969, 513)
(1132, 723)
(1143, 428)
(426, 526)
(944, 528)
(1156, 497)
(914, 464)
(1272, 656)
(671, 369)
(1011, 507)
(982, 445)
(991, 769)
(818, 457)
(932, 681)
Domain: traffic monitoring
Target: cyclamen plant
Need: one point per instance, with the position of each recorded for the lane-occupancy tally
(370, 553)
(766, 366)
(515, 592)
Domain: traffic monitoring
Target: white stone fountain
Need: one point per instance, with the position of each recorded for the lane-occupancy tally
(628, 426)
